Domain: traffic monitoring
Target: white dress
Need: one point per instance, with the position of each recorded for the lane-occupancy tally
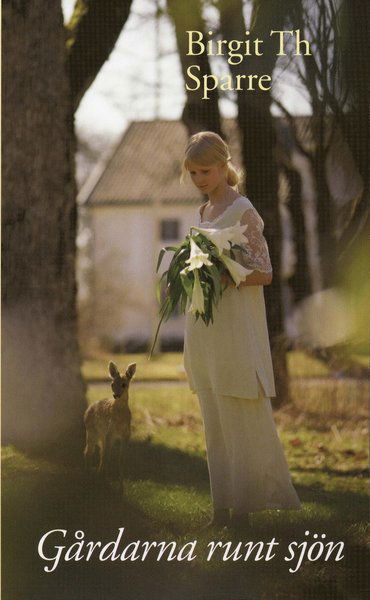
(228, 365)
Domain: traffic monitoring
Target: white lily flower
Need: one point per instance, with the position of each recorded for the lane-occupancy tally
(237, 233)
(198, 258)
(221, 237)
(237, 271)
(197, 300)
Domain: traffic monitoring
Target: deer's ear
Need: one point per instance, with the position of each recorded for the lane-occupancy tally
(113, 371)
(130, 371)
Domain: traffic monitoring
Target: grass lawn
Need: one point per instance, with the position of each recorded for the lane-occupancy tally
(168, 366)
(167, 497)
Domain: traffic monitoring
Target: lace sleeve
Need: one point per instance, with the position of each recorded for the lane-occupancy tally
(256, 256)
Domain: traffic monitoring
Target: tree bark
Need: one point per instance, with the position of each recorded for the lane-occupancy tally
(198, 114)
(92, 33)
(258, 150)
(355, 50)
(316, 83)
(43, 392)
(299, 281)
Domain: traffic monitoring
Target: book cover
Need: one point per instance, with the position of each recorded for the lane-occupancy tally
(99, 100)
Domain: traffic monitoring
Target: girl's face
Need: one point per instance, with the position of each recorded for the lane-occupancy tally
(207, 178)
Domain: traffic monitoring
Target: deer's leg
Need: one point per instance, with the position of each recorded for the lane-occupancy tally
(103, 457)
(89, 452)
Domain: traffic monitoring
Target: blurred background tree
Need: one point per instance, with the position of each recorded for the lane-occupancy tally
(197, 115)
(335, 84)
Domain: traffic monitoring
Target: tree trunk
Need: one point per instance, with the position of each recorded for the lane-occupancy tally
(325, 215)
(299, 281)
(355, 49)
(258, 149)
(92, 33)
(43, 392)
(198, 114)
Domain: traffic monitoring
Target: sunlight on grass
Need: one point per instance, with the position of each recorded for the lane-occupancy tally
(169, 503)
(319, 439)
(315, 511)
(340, 396)
(362, 359)
(168, 366)
(301, 364)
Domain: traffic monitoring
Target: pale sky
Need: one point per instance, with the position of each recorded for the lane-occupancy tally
(134, 85)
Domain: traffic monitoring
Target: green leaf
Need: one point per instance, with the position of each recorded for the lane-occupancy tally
(240, 248)
(162, 252)
(187, 283)
(159, 286)
(160, 256)
(175, 293)
(164, 307)
(168, 309)
(178, 261)
(216, 278)
(183, 302)
(158, 291)
(174, 269)
(181, 250)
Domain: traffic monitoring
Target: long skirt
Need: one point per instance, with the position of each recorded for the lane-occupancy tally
(247, 468)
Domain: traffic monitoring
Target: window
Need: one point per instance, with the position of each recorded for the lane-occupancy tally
(169, 229)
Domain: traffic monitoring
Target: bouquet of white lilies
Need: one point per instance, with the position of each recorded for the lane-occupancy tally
(194, 277)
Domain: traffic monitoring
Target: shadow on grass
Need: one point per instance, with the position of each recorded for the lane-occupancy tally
(39, 496)
(164, 465)
(334, 472)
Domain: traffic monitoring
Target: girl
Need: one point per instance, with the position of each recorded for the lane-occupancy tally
(228, 363)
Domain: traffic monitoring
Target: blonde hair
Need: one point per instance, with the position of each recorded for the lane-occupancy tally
(208, 148)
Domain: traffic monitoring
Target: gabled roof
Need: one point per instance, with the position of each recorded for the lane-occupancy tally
(145, 167)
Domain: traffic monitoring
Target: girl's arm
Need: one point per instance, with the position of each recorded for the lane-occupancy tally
(255, 278)
(257, 255)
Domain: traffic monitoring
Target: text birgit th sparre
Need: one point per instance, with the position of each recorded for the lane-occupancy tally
(236, 51)
(58, 545)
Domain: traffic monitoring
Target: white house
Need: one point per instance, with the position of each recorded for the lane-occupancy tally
(136, 205)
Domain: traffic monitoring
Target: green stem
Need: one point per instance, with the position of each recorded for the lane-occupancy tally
(156, 336)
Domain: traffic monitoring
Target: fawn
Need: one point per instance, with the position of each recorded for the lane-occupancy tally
(109, 420)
